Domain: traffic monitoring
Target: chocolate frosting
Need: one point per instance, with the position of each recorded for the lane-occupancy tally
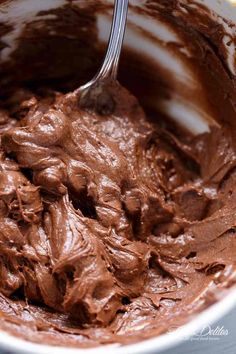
(113, 228)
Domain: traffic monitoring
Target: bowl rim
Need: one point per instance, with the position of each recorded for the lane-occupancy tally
(157, 344)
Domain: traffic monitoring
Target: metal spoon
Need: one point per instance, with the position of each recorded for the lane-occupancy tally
(94, 95)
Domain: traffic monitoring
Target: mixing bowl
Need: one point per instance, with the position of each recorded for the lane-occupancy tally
(163, 75)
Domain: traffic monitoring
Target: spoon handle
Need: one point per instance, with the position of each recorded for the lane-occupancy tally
(111, 61)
